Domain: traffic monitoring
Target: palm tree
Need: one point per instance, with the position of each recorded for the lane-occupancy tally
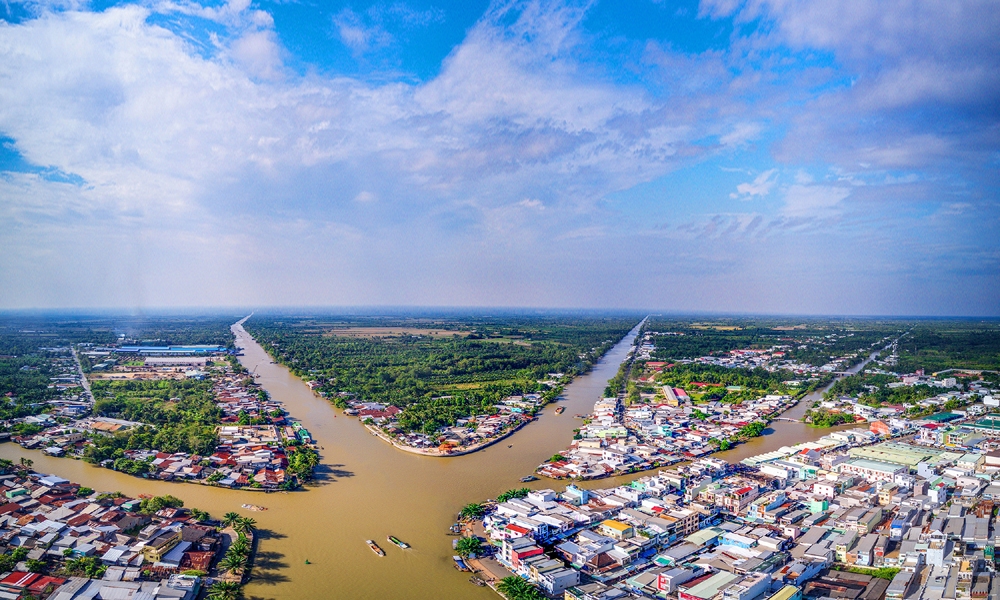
(515, 588)
(233, 564)
(239, 553)
(468, 546)
(26, 462)
(229, 518)
(224, 590)
(239, 548)
(244, 525)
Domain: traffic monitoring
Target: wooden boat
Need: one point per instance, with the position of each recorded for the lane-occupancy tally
(254, 507)
(460, 564)
(375, 548)
(395, 540)
(560, 410)
(528, 478)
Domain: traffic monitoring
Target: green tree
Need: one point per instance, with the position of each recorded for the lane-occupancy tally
(199, 515)
(225, 590)
(469, 546)
(515, 588)
(86, 566)
(233, 563)
(230, 518)
(511, 494)
(35, 566)
(473, 511)
(157, 503)
(244, 525)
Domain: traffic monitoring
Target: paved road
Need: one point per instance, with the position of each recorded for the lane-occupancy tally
(83, 378)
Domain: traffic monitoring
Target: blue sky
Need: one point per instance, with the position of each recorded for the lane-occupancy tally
(723, 155)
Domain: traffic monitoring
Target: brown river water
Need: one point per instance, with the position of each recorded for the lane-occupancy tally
(367, 489)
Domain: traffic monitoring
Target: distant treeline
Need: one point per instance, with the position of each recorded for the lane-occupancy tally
(937, 346)
(20, 335)
(707, 337)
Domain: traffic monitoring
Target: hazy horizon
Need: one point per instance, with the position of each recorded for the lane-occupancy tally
(409, 311)
(755, 157)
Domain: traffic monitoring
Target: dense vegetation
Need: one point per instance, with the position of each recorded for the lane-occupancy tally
(938, 345)
(825, 418)
(302, 461)
(436, 370)
(752, 382)
(26, 370)
(183, 415)
(24, 385)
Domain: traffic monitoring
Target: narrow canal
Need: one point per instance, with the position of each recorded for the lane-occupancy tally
(368, 490)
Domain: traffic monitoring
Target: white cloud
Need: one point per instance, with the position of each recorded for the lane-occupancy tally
(259, 54)
(760, 186)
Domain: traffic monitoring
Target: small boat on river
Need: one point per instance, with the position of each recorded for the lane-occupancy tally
(375, 548)
(254, 507)
(460, 564)
(528, 478)
(560, 410)
(395, 540)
